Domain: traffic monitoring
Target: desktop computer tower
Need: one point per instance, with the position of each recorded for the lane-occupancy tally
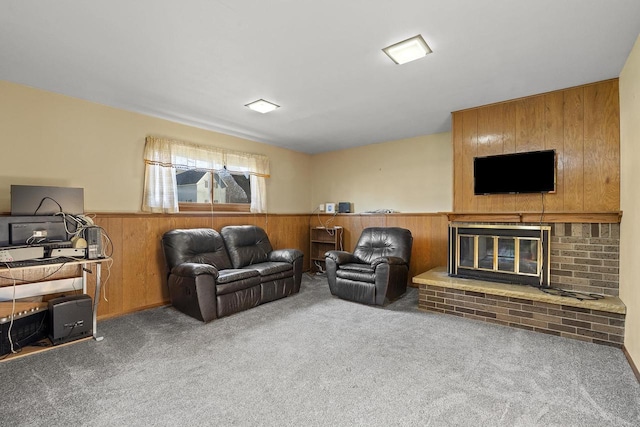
(93, 236)
(70, 318)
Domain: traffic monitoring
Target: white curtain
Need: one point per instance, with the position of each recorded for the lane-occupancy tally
(163, 156)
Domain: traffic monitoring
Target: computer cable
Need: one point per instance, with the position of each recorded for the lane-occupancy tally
(8, 267)
(105, 282)
(42, 201)
(319, 267)
(35, 332)
(580, 296)
(13, 311)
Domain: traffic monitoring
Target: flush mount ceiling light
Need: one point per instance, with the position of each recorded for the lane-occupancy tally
(262, 106)
(408, 50)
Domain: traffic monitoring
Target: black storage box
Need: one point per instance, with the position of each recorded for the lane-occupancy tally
(29, 325)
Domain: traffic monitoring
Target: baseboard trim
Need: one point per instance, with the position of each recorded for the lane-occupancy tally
(634, 368)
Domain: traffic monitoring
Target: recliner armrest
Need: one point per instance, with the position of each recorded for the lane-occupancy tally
(341, 257)
(191, 269)
(285, 255)
(391, 260)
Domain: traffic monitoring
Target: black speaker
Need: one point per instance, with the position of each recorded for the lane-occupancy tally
(70, 318)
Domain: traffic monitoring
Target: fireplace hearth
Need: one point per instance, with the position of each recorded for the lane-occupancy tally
(508, 253)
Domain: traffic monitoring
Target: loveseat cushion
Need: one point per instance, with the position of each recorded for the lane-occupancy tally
(269, 268)
(234, 280)
(246, 244)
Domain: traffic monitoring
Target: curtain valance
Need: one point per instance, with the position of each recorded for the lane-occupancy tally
(186, 155)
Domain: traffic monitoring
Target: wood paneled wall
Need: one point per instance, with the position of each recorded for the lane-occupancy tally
(136, 279)
(582, 124)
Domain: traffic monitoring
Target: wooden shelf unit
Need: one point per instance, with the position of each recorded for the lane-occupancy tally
(322, 240)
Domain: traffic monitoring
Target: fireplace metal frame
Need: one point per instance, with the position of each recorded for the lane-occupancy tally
(517, 232)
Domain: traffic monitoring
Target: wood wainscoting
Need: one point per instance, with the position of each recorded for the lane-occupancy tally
(136, 279)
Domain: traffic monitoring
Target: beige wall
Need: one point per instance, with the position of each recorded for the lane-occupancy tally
(50, 139)
(630, 199)
(409, 175)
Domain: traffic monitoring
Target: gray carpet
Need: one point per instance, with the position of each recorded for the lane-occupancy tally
(315, 360)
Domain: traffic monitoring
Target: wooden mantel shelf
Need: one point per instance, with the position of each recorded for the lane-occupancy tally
(528, 217)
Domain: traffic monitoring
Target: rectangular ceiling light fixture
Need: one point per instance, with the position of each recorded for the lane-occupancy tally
(408, 50)
(262, 106)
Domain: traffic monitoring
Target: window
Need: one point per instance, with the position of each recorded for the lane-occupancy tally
(181, 176)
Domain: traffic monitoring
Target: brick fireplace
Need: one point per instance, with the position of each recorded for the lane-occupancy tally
(581, 257)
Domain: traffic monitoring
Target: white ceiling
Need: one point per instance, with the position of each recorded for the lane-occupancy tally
(200, 61)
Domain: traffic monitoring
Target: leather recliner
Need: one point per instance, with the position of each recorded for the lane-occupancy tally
(378, 269)
(211, 274)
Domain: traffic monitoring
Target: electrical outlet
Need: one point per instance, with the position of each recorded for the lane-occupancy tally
(321, 207)
(39, 233)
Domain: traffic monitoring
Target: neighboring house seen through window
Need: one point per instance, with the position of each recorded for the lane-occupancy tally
(228, 192)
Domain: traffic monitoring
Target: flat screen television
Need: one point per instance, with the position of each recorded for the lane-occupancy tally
(529, 172)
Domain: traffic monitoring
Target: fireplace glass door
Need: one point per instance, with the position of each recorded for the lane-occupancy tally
(515, 255)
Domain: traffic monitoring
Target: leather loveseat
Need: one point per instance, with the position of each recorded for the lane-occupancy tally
(213, 274)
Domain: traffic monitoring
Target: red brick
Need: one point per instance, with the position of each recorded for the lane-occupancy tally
(497, 297)
(608, 314)
(464, 310)
(535, 309)
(507, 318)
(593, 319)
(593, 334)
(521, 313)
(616, 322)
(475, 294)
(562, 313)
(577, 309)
(547, 318)
(533, 322)
(616, 330)
(521, 301)
(445, 306)
(576, 323)
(509, 305)
(485, 314)
(545, 304)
